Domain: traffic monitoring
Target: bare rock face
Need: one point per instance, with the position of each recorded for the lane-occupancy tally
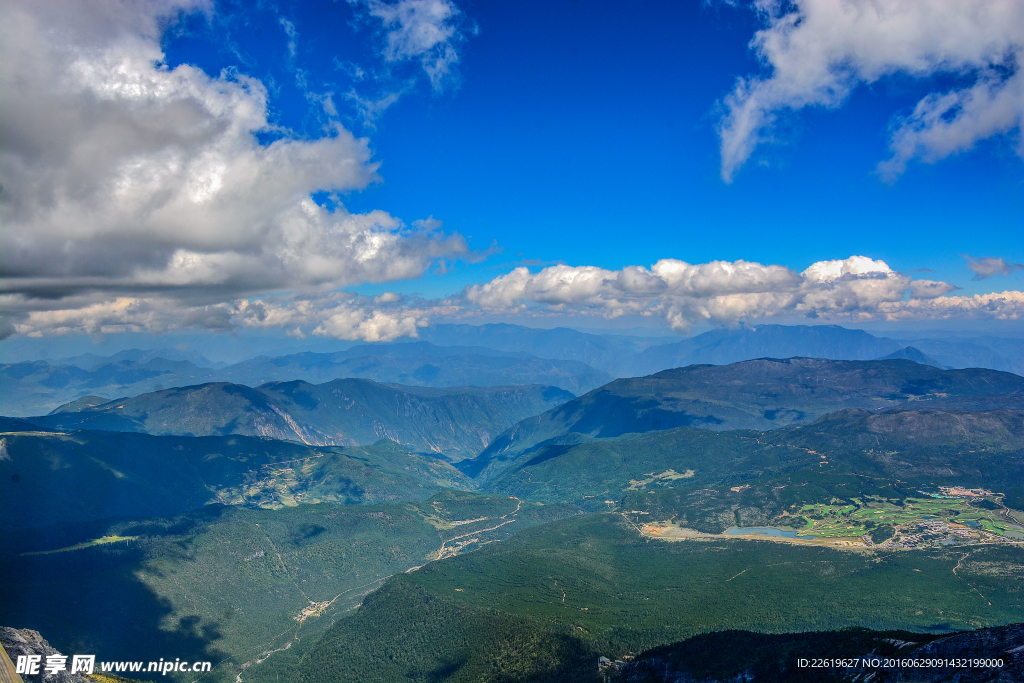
(26, 642)
(1005, 643)
(745, 657)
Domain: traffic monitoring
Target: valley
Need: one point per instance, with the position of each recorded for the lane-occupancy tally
(918, 522)
(229, 583)
(368, 532)
(547, 602)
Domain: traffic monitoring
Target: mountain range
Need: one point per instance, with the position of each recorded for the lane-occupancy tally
(453, 423)
(631, 356)
(485, 355)
(349, 529)
(705, 426)
(758, 394)
(37, 387)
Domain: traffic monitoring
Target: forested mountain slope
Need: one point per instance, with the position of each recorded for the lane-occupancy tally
(456, 423)
(58, 478)
(759, 394)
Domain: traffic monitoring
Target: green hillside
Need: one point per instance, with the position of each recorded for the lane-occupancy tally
(543, 605)
(231, 584)
(760, 394)
(715, 480)
(58, 478)
(454, 422)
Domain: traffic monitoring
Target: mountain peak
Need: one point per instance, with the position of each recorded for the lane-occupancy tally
(916, 355)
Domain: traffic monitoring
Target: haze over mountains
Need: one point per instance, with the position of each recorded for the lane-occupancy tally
(229, 443)
(181, 449)
(486, 355)
(37, 387)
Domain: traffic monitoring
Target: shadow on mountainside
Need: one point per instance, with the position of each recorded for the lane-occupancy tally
(91, 601)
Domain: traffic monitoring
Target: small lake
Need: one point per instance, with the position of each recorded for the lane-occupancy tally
(763, 531)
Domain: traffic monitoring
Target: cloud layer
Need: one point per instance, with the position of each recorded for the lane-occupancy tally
(336, 314)
(856, 288)
(683, 294)
(125, 177)
(818, 51)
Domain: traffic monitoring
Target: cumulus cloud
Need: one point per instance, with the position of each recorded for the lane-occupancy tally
(995, 306)
(989, 266)
(718, 292)
(818, 51)
(149, 184)
(929, 289)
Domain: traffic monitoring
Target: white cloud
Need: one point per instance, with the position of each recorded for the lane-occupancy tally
(995, 306)
(334, 314)
(84, 314)
(293, 36)
(853, 289)
(818, 51)
(357, 325)
(717, 292)
(339, 316)
(929, 289)
(124, 176)
(425, 31)
(372, 108)
(987, 267)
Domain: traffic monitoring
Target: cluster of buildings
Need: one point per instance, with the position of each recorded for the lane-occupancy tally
(932, 531)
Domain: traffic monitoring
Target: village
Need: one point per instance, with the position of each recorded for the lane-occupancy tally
(951, 516)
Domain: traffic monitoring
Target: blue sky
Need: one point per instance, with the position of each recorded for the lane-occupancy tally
(572, 125)
(590, 134)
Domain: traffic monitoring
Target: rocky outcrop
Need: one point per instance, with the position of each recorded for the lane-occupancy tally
(26, 642)
(745, 657)
(1004, 643)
